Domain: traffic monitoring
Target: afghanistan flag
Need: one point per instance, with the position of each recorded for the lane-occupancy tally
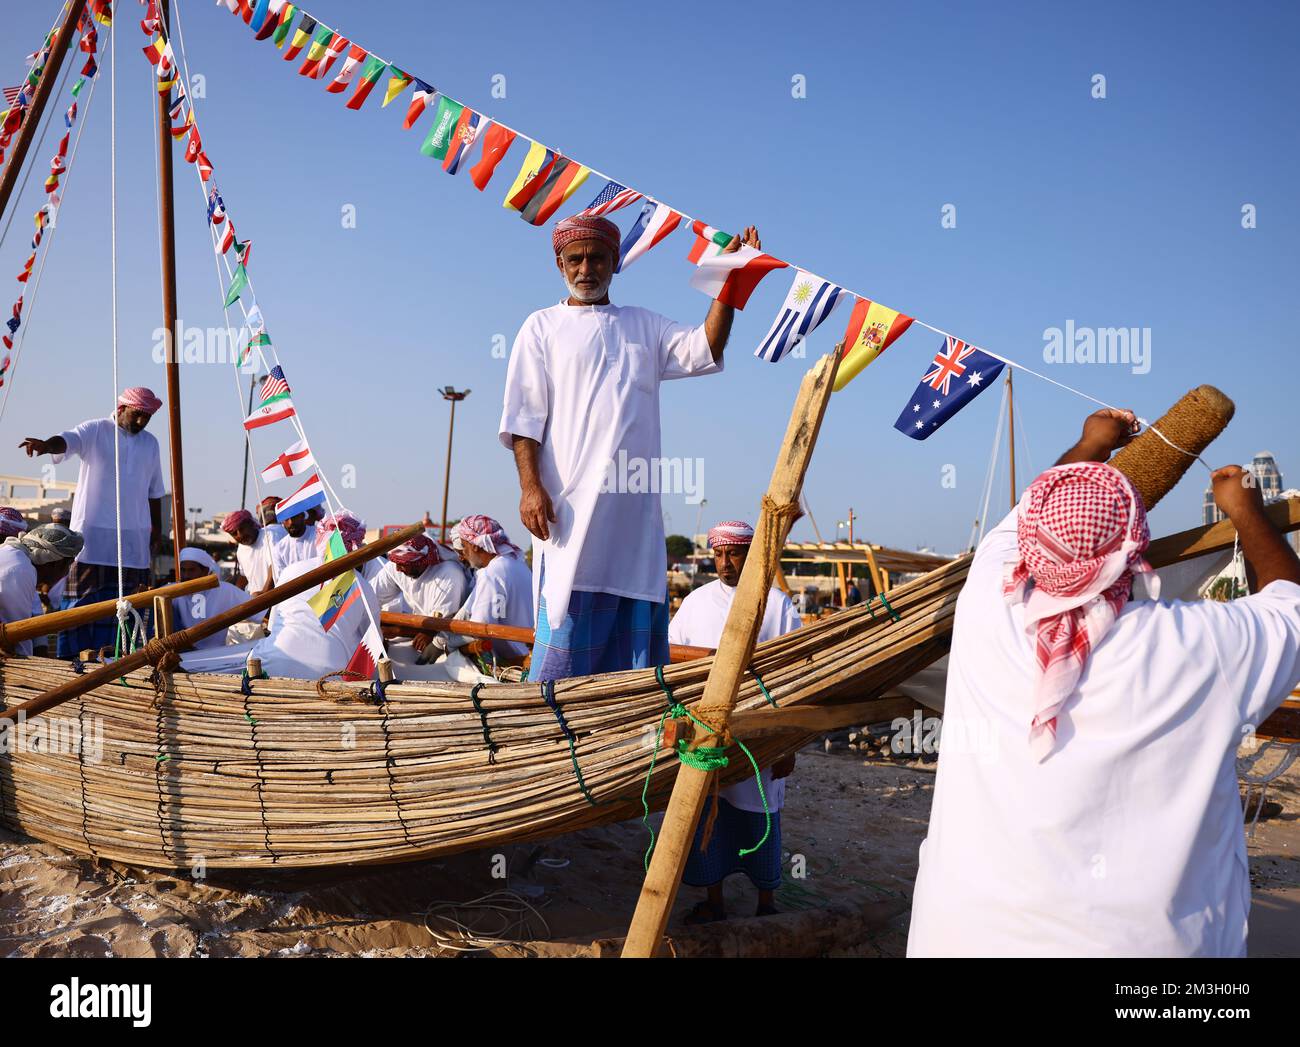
(958, 374)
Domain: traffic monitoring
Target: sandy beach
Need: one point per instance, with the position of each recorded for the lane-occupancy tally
(855, 822)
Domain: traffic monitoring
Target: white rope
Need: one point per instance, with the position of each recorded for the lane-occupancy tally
(117, 429)
(989, 475)
(443, 921)
(51, 226)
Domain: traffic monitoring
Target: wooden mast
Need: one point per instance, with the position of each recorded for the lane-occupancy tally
(44, 88)
(167, 246)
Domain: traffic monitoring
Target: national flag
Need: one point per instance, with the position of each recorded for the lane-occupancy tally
(70, 116)
(308, 496)
(356, 55)
(611, 198)
(335, 598)
(258, 340)
(420, 101)
(243, 248)
(559, 182)
(180, 130)
(204, 165)
(316, 53)
(306, 28)
(398, 81)
(370, 74)
(297, 459)
(958, 374)
(468, 128)
(152, 21)
(445, 117)
(809, 301)
(90, 68)
(655, 222)
(283, 24)
(497, 140)
(102, 11)
(871, 330)
(76, 88)
(227, 240)
(89, 42)
(11, 94)
(336, 47)
(194, 146)
(708, 241)
(266, 16)
(237, 285)
(156, 49)
(364, 663)
(269, 414)
(274, 385)
(529, 178)
(732, 276)
(216, 207)
(27, 268)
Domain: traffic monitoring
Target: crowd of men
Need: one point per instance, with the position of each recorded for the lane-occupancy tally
(1101, 817)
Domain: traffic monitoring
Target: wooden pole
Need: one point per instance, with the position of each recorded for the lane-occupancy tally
(75, 617)
(167, 246)
(248, 449)
(154, 650)
(44, 88)
(1201, 541)
(734, 653)
(162, 615)
(408, 624)
(1011, 436)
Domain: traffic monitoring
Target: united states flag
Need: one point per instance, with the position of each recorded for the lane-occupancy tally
(274, 385)
(611, 198)
(11, 94)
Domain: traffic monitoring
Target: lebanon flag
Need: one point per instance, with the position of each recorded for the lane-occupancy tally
(653, 224)
(272, 411)
(731, 278)
(308, 496)
(872, 329)
(496, 143)
(297, 459)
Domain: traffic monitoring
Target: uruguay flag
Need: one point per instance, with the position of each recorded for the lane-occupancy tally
(308, 496)
(653, 224)
(957, 375)
(809, 301)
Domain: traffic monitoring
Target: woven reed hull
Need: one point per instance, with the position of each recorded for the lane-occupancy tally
(199, 773)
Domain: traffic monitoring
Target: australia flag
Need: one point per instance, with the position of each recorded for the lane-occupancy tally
(957, 375)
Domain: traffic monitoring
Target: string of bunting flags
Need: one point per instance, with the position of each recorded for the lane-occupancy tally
(98, 11)
(275, 401)
(547, 179)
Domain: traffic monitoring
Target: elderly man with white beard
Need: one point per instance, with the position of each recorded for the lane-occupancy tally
(581, 390)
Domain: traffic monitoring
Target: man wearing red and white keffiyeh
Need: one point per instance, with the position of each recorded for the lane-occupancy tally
(1086, 801)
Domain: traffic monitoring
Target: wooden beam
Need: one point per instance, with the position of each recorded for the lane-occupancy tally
(734, 653)
(758, 723)
(1199, 541)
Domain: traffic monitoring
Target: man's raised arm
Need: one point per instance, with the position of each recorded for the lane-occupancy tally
(1268, 557)
(717, 324)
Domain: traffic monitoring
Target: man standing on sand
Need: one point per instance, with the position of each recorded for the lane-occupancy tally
(582, 392)
(94, 575)
(1099, 814)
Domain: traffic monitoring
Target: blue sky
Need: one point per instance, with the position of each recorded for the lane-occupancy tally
(1115, 212)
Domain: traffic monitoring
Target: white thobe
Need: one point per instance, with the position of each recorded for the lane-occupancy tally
(1127, 839)
(502, 595)
(17, 590)
(94, 506)
(699, 623)
(289, 550)
(583, 382)
(199, 607)
(298, 647)
(256, 560)
(437, 592)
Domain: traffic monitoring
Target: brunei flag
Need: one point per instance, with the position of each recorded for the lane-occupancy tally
(536, 165)
(370, 74)
(872, 329)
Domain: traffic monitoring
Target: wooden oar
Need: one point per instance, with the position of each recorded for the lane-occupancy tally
(154, 651)
(409, 624)
(75, 617)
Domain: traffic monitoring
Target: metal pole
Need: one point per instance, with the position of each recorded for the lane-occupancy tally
(44, 88)
(167, 246)
(1011, 433)
(446, 480)
(248, 445)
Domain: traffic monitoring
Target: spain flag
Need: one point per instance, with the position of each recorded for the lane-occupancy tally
(872, 329)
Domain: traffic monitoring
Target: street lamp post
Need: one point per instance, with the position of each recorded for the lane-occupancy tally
(450, 394)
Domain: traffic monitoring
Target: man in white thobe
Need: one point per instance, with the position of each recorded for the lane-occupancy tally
(253, 551)
(581, 415)
(94, 576)
(418, 579)
(29, 559)
(297, 544)
(1086, 802)
(740, 820)
(503, 584)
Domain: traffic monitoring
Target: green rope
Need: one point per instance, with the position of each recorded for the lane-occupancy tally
(892, 613)
(762, 687)
(482, 715)
(548, 696)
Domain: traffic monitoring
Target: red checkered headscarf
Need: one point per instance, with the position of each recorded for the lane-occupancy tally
(140, 399)
(352, 530)
(1081, 533)
(487, 534)
(420, 551)
(731, 532)
(232, 521)
(586, 227)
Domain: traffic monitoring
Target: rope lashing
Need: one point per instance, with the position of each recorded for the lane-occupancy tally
(779, 519)
(892, 613)
(548, 696)
(762, 689)
(482, 716)
(245, 682)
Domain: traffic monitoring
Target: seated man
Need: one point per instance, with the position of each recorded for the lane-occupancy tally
(503, 585)
(40, 556)
(418, 579)
(253, 550)
(740, 821)
(266, 511)
(1089, 806)
(198, 607)
(304, 644)
(298, 543)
